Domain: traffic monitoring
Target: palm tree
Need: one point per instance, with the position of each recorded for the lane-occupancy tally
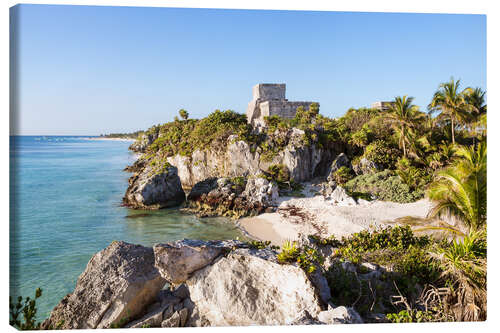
(476, 107)
(460, 190)
(450, 102)
(404, 116)
(463, 263)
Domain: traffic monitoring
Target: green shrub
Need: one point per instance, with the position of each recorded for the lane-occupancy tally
(397, 237)
(260, 245)
(415, 178)
(362, 137)
(306, 257)
(385, 185)
(344, 285)
(279, 173)
(27, 309)
(382, 154)
(342, 175)
(410, 316)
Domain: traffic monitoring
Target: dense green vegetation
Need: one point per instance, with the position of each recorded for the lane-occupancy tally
(422, 278)
(184, 136)
(385, 185)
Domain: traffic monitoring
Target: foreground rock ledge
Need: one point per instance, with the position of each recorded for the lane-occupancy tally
(117, 284)
(220, 283)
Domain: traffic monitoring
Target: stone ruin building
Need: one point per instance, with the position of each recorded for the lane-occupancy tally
(382, 106)
(269, 100)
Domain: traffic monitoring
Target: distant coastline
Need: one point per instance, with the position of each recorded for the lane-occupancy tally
(111, 139)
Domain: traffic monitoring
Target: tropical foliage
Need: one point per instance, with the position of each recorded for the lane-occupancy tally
(405, 118)
(460, 190)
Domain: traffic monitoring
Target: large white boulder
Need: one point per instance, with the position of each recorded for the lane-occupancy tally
(248, 287)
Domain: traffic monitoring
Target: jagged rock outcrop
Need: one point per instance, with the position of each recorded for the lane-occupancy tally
(171, 309)
(260, 192)
(303, 161)
(145, 140)
(219, 283)
(247, 287)
(153, 189)
(340, 161)
(234, 197)
(340, 315)
(340, 197)
(365, 166)
(177, 260)
(118, 283)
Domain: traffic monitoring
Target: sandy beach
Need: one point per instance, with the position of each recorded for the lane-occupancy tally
(317, 215)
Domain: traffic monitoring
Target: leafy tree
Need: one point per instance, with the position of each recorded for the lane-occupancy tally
(405, 116)
(184, 114)
(450, 102)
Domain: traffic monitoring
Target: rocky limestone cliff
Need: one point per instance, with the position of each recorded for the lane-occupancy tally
(219, 283)
(302, 161)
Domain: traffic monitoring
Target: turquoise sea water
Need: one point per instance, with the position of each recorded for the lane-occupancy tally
(65, 206)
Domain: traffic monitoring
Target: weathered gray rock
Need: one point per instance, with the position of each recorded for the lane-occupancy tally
(260, 191)
(118, 284)
(172, 321)
(232, 197)
(340, 197)
(340, 161)
(245, 289)
(177, 260)
(305, 318)
(195, 318)
(143, 142)
(166, 297)
(183, 315)
(340, 315)
(319, 281)
(203, 187)
(365, 166)
(154, 189)
(152, 319)
(181, 291)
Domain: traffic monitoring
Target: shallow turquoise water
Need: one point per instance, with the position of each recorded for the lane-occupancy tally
(65, 206)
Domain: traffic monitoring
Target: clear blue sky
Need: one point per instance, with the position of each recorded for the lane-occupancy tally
(91, 70)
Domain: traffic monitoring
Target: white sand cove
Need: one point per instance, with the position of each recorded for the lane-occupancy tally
(317, 215)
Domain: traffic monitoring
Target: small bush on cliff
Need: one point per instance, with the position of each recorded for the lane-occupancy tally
(27, 309)
(386, 185)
